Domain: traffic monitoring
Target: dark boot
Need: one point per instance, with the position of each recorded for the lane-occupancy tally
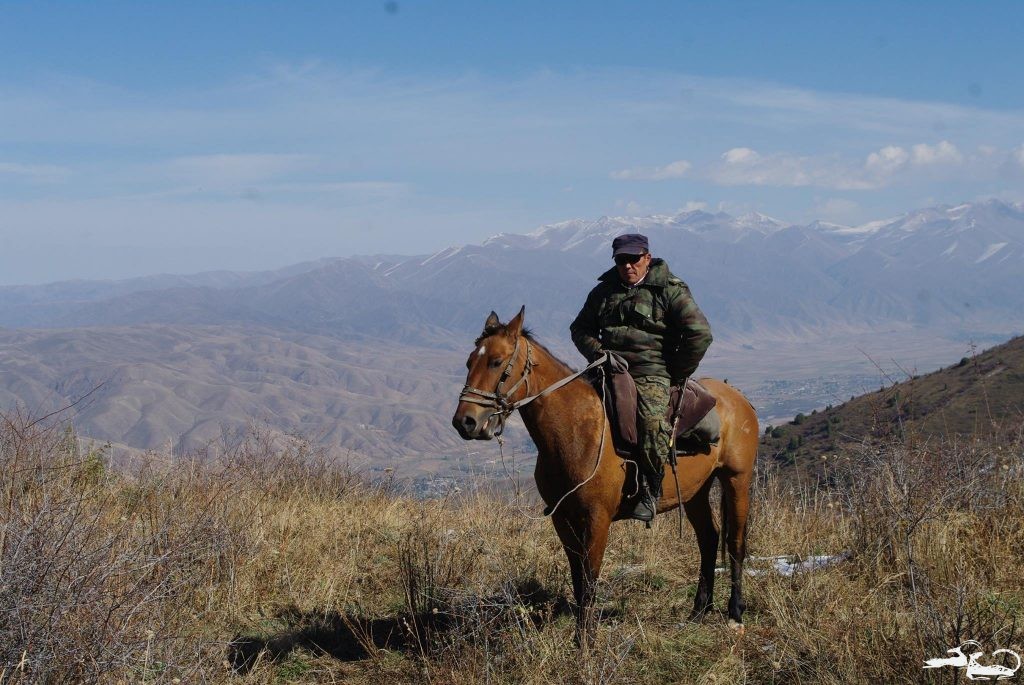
(646, 504)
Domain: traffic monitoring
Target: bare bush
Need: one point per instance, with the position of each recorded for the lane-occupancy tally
(98, 572)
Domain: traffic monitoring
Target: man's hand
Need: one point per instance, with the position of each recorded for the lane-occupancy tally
(675, 404)
(617, 363)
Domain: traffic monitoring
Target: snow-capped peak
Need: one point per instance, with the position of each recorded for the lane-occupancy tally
(760, 222)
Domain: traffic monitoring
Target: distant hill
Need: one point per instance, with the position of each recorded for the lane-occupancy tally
(980, 396)
(366, 353)
(180, 388)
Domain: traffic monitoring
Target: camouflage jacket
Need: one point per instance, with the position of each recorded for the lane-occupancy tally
(655, 326)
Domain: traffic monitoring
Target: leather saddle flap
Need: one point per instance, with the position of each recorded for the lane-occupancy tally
(695, 404)
(620, 406)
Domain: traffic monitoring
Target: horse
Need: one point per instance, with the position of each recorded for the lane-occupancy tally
(580, 477)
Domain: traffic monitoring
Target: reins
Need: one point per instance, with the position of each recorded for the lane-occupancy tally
(503, 408)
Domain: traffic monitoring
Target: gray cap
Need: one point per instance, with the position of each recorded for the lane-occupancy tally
(630, 243)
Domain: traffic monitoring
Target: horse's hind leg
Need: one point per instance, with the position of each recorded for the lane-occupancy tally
(698, 511)
(736, 505)
(584, 541)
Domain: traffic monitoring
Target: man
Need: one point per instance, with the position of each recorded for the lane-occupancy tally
(643, 313)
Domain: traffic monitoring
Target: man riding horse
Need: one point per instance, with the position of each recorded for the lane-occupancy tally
(646, 315)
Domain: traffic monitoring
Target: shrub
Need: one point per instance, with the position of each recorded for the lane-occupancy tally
(97, 569)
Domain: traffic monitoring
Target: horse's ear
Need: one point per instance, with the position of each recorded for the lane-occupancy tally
(515, 326)
(492, 322)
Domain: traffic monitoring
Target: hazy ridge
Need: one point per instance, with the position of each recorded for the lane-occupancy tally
(365, 354)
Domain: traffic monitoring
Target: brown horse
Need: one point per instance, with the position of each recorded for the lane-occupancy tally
(578, 473)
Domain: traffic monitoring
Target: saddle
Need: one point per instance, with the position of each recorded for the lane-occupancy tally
(696, 424)
(691, 410)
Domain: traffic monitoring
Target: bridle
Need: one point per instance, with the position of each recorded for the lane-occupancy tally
(500, 400)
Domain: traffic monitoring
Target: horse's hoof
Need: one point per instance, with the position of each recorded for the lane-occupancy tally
(737, 627)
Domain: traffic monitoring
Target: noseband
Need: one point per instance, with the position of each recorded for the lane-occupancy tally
(500, 401)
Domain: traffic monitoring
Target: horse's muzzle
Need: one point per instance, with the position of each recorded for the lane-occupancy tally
(471, 427)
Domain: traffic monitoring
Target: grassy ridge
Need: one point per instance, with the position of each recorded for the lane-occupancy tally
(271, 565)
(980, 397)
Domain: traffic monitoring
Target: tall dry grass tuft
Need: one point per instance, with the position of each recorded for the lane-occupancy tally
(938, 529)
(99, 569)
(125, 573)
(486, 592)
(933, 536)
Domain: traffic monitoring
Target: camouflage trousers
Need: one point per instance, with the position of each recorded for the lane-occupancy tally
(654, 430)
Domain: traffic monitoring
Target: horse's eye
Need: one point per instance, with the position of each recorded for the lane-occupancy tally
(495, 362)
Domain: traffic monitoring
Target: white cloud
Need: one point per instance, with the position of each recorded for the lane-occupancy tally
(694, 206)
(675, 169)
(744, 166)
(44, 173)
(229, 170)
(942, 153)
(631, 207)
(887, 161)
(471, 145)
(1018, 154)
(362, 188)
(740, 155)
(883, 167)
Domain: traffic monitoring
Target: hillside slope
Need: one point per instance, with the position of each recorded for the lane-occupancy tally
(979, 396)
(375, 399)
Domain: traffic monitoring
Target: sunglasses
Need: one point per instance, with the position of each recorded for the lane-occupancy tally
(623, 259)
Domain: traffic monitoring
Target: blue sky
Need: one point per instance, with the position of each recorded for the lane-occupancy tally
(145, 137)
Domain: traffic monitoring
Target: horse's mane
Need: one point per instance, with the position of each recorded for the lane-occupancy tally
(529, 335)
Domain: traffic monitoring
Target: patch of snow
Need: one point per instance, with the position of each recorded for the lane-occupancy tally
(447, 252)
(830, 227)
(870, 227)
(759, 222)
(958, 211)
(790, 565)
(992, 249)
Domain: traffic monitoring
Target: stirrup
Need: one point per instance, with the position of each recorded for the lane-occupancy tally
(646, 507)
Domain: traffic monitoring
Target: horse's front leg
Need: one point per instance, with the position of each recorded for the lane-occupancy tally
(584, 538)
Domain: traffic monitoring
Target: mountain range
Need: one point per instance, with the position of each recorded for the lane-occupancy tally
(365, 353)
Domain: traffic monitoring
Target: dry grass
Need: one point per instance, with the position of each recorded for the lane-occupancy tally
(269, 564)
